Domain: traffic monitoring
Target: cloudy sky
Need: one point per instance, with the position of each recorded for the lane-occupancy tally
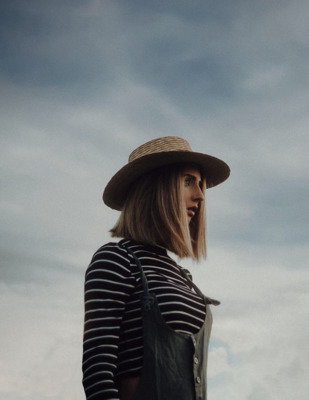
(82, 84)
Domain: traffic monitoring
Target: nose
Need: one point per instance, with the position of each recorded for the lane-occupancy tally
(198, 194)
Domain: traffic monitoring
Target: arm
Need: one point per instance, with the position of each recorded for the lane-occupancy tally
(108, 284)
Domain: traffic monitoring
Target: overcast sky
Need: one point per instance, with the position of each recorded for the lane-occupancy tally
(82, 84)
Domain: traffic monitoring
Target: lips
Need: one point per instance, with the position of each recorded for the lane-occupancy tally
(191, 211)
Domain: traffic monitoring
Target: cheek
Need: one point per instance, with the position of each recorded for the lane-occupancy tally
(186, 195)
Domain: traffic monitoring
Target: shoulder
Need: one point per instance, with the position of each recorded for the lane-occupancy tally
(111, 250)
(110, 257)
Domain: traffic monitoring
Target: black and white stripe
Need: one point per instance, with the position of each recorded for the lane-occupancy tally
(113, 343)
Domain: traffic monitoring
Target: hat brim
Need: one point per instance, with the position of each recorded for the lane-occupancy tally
(215, 170)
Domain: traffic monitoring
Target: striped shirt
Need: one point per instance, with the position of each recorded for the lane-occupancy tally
(113, 337)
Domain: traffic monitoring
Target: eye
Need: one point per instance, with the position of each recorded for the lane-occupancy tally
(188, 180)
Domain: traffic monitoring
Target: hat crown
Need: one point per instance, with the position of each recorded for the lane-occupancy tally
(165, 144)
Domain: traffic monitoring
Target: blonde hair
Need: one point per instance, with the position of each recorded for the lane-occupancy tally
(154, 212)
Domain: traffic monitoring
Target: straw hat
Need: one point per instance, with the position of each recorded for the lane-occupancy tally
(157, 153)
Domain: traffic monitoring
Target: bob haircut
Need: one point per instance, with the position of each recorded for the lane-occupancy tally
(154, 212)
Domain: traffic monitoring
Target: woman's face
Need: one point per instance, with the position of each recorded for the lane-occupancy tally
(193, 191)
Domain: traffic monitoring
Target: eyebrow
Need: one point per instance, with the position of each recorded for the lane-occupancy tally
(193, 177)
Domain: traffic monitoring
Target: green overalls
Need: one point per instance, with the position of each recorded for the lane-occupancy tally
(174, 363)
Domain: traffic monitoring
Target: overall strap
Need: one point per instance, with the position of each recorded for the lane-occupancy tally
(147, 297)
(192, 285)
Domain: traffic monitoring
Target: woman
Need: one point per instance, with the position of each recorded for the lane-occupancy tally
(147, 325)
